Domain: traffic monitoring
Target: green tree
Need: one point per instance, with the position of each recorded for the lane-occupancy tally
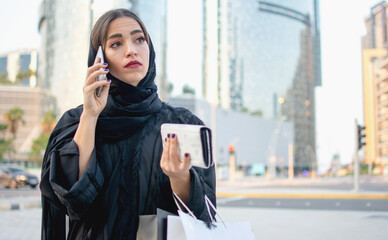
(4, 79)
(188, 89)
(258, 113)
(38, 146)
(170, 88)
(5, 144)
(3, 128)
(48, 122)
(40, 143)
(24, 74)
(14, 117)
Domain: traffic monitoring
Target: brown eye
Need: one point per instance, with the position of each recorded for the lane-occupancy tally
(140, 39)
(115, 44)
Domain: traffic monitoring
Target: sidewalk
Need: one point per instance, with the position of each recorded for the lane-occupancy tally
(297, 188)
(266, 224)
(298, 224)
(250, 188)
(17, 203)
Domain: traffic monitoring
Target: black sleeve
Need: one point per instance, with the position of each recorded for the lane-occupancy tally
(75, 194)
(203, 182)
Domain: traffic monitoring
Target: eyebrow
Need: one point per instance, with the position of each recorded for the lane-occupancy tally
(119, 35)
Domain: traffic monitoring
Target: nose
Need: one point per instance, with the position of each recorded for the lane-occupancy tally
(131, 50)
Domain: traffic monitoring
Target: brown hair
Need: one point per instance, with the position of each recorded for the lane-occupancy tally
(99, 32)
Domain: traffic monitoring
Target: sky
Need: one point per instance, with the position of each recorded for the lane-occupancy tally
(338, 100)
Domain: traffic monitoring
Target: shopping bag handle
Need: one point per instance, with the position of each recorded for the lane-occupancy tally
(208, 203)
(177, 199)
(213, 218)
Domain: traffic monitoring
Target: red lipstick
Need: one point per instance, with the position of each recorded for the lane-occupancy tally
(133, 64)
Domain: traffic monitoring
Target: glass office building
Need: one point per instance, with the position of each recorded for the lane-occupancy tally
(263, 57)
(20, 66)
(154, 16)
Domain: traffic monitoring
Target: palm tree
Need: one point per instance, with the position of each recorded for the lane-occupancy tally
(40, 143)
(4, 143)
(3, 128)
(14, 117)
(48, 122)
(24, 75)
(4, 79)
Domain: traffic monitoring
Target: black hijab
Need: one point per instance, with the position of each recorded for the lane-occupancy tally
(128, 107)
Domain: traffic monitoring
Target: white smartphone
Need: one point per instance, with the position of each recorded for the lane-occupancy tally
(101, 77)
(193, 139)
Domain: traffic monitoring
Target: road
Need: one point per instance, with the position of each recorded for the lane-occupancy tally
(367, 183)
(353, 216)
(306, 204)
(287, 224)
(20, 192)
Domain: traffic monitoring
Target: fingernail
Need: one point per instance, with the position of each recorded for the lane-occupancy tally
(108, 80)
(106, 69)
(165, 139)
(186, 155)
(168, 135)
(173, 135)
(104, 64)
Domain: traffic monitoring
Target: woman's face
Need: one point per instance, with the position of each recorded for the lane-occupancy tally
(126, 50)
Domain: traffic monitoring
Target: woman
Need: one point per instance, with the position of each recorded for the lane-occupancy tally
(105, 163)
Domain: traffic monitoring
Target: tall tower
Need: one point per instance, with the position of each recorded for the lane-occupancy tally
(375, 87)
(264, 57)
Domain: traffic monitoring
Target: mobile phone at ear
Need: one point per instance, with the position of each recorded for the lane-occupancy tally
(101, 77)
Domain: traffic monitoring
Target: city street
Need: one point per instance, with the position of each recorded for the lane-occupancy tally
(322, 208)
(307, 204)
(266, 223)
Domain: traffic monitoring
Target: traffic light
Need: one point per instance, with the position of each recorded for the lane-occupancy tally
(361, 136)
(231, 148)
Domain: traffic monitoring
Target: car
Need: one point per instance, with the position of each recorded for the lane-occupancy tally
(14, 177)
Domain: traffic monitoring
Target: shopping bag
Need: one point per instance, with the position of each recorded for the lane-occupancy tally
(187, 226)
(153, 227)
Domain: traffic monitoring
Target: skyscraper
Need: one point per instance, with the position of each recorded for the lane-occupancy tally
(65, 28)
(375, 87)
(21, 65)
(264, 57)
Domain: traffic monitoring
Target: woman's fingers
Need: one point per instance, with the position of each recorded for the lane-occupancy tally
(99, 67)
(170, 161)
(187, 159)
(92, 77)
(105, 89)
(92, 87)
(163, 160)
(93, 67)
(173, 153)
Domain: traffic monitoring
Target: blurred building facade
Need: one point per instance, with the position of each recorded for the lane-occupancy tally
(34, 102)
(375, 87)
(264, 57)
(20, 66)
(255, 140)
(65, 28)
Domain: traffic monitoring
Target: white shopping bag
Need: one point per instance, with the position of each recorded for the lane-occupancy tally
(188, 227)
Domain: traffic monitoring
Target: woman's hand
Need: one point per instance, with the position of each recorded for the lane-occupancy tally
(175, 169)
(94, 105)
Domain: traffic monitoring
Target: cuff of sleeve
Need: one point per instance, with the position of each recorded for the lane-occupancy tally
(196, 200)
(82, 193)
